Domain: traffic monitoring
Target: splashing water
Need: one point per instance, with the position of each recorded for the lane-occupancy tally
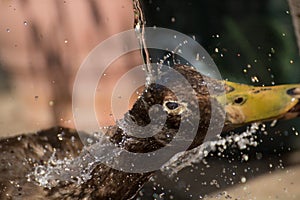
(71, 170)
(188, 158)
(78, 170)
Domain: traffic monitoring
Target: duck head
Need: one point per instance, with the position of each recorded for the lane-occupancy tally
(225, 104)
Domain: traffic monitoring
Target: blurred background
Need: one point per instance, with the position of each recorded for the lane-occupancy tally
(43, 43)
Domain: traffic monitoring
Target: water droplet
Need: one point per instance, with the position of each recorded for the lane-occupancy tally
(291, 61)
(25, 23)
(245, 157)
(73, 139)
(295, 131)
(258, 156)
(274, 122)
(40, 171)
(243, 179)
(254, 79)
(66, 41)
(8, 30)
(198, 57)
(173, 19)
(162, 195)
(60, 136)
(51, 103)
(90, 140)
(272, 50)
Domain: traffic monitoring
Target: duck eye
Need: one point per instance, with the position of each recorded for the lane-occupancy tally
(239, 100)
(172, 105)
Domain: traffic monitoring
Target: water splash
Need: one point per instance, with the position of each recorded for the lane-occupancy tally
(196, 155)
(69, 169)
(78, 170)
(75, 170)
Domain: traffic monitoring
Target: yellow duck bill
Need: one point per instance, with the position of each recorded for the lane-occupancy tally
(247, 104)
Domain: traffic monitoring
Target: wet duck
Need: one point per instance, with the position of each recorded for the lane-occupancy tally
(242, 104)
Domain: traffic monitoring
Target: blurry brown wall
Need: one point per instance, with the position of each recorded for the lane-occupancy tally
(42, 44)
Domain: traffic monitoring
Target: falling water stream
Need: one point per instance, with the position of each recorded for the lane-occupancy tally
(139, 27)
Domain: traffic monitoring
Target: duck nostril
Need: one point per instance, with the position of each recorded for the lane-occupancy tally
(290, 91)
(239, 100)
(294, 92)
